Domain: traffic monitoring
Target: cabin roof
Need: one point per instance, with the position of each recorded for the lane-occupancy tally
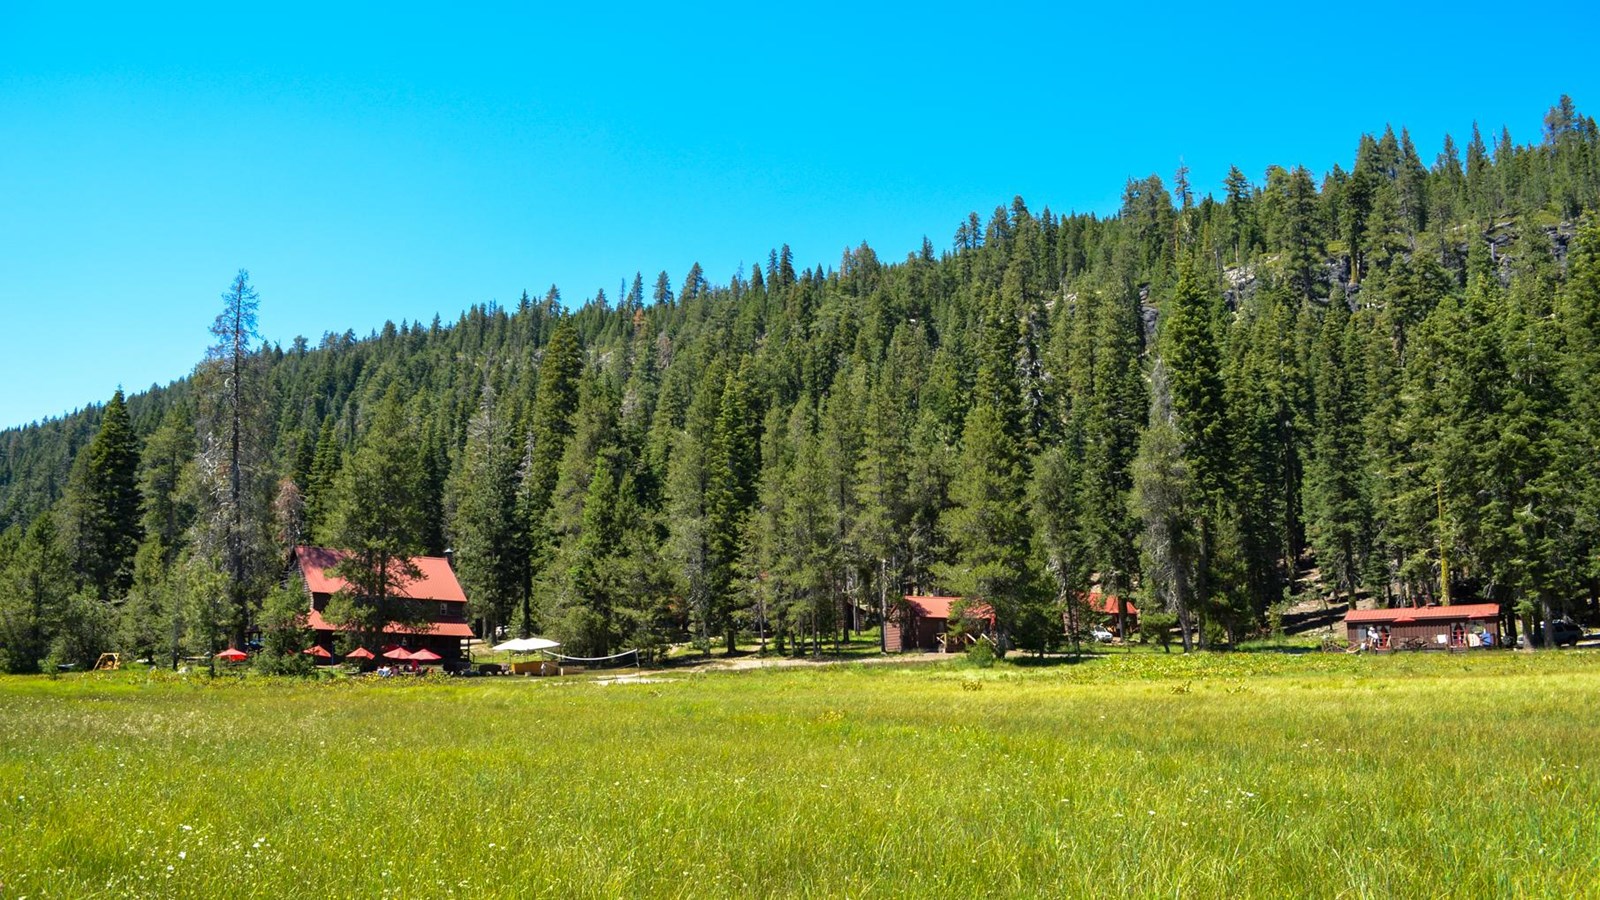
(1107, 603)
(438, 581)
(1424, 613)
(939, 607)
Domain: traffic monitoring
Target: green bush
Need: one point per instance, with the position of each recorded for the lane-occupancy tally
(981, 653)
(1157, 627)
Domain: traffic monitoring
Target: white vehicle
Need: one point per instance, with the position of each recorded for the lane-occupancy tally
(1101, 635)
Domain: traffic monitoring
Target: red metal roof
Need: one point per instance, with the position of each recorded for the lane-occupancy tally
(316, 622)
(1107, 603)
(1425, 613)
(438, 582)
(939, 607)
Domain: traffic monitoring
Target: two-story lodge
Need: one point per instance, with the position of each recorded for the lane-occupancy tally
(437, 590)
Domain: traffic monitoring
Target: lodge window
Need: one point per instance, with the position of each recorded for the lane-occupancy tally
(444, 610)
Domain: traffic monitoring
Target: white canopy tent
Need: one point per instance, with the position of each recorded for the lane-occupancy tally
(527, 645)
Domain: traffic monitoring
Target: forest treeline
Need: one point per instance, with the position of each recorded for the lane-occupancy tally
(1390, 373)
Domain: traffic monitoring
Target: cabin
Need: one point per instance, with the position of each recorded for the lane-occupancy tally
(1107, 605)
(437, 590)
(923, 623)
(1457, 627)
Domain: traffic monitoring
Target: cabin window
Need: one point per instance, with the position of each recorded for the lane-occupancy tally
(444, 610)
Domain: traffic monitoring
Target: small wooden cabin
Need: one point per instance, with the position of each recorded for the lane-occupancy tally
(923, 623)
(1109, 605)
(1457, 627)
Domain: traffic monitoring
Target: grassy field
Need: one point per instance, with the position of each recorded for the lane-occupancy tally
(1246, 774)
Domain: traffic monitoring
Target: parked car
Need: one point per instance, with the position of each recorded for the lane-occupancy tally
(1101, 635)
(1566, 634)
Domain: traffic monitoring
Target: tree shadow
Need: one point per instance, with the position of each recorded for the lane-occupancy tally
(1053, 660)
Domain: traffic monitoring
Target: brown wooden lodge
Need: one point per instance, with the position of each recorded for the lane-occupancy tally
(1457, 627)
(437, 590)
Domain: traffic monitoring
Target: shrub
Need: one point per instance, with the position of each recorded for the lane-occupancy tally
(1157, 626)
(981, 653)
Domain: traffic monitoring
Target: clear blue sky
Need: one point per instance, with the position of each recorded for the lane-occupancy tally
(389, 162)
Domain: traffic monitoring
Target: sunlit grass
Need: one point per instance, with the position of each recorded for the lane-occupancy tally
(1128, 774)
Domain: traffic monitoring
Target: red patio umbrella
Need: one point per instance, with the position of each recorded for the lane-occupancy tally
(233, 655)
(317, 650)
(396, 653)
(359, 653)
(426, 655)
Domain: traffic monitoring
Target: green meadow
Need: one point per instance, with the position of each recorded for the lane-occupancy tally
(1236, 775)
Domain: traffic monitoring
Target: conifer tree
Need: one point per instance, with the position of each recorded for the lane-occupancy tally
(1578, 315)
(732, 466)
(380, 521)
(319, 496)
(36, 585)
(1059, 523)
(549, 427)
(234, 522)
(589, 621)
(809, 554)
(1199, 416)
(1337, 501)
(166, 482)
(986, 524)
(104, 505)
(1167, 502)
(488, 536)
(687, 483)
(882, 485)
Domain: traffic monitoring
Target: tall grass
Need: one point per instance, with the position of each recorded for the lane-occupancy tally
(1144, 775)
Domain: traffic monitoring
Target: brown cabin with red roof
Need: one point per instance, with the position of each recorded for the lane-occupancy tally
(437, 590)
(1456, 627)
(923, 623)
(1109, 606)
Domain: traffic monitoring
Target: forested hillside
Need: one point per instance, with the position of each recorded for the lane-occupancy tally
(1387, 372)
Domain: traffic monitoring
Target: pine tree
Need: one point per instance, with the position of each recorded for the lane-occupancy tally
(1337, 501)
(1199, 414)
(36, 586)
(1059, 520)
(1167, 502)
(104, 505)
(809, 551)
(732, 466)
(488, 535)
(1264, 403)
(233, 524)
(380, 522)
(549, 427)
(166, 483)
(882, 486)
(325, 465)
(1578, 315)
(687, 484)
(588, 621)
(986, 524)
